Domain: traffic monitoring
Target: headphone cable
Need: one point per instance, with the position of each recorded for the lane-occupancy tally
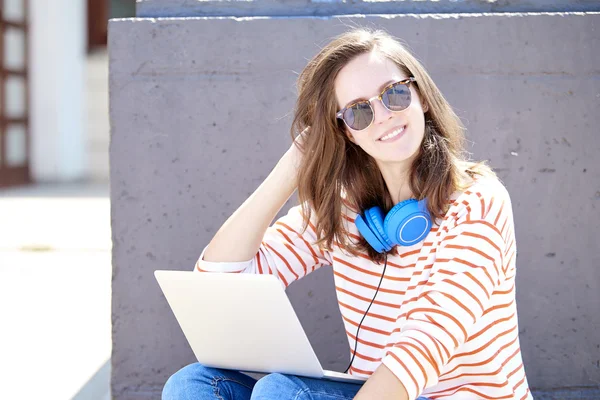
(366, 312)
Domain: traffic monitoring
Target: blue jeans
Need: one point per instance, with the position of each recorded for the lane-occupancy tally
(198, 382)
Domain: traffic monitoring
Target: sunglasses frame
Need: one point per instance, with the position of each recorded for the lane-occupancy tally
(340, 114)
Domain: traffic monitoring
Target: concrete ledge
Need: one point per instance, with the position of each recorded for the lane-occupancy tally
(525, 37)
(589, 393)
(185, 8)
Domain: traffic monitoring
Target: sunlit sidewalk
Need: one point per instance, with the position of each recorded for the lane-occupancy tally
(55, 276)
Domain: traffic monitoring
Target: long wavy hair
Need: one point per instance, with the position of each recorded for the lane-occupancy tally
(335, 172)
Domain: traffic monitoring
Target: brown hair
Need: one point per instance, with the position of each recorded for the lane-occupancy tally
(333, 167)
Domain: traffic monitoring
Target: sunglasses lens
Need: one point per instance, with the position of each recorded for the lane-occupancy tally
(397, 97)
(359, 116)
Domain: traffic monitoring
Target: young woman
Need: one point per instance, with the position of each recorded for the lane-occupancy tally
(421, 240)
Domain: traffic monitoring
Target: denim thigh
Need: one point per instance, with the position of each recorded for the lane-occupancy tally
(199, 382)
(291, 387)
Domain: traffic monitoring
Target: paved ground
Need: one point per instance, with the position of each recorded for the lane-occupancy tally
(55, 275)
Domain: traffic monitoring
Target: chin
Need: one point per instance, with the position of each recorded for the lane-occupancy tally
(397, 157)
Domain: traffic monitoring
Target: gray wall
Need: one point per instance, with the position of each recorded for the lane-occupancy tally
(188, 146)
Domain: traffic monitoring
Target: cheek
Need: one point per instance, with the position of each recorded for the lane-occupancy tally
(418, 117)
(359, 140)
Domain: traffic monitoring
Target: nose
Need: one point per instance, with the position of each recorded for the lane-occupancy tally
(381, 112)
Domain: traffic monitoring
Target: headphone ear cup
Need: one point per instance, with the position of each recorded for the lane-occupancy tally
(376, 217)
(367, 227)
(392, 215)
(366, 232)
(408, 222)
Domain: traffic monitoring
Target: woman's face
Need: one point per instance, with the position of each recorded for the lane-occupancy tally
(363, 78)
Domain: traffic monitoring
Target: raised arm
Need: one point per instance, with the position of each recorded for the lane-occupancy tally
(472, 262)
(246, 243)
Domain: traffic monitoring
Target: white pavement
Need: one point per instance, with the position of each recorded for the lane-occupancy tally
(55, 277)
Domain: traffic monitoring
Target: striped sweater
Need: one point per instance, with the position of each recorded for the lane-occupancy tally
(444, 320)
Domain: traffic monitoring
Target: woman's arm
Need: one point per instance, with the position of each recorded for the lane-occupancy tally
(240, 236)
(472, 261)
(382, 385)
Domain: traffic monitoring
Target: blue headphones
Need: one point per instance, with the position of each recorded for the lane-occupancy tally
(407, 223)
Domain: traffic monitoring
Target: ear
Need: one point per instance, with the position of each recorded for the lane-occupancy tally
(425, 107)
(342, 126)
(349, 135)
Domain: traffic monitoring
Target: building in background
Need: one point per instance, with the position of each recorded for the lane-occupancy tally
(54, 89)
(14, 103)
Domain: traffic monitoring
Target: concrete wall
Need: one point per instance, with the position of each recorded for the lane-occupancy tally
(185, 153)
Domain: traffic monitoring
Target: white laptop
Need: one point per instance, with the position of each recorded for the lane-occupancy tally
(243, 322)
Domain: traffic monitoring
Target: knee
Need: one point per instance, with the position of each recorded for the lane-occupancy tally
(276, 386)
(180, 382)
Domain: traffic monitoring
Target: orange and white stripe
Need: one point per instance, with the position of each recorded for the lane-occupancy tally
(444, 320)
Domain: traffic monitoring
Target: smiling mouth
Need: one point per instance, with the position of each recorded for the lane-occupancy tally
(392, 134)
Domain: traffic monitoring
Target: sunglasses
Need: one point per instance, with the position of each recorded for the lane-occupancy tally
(395, 97)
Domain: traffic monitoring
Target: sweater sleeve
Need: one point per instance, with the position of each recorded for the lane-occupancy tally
(469, 266)
(285, 252)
